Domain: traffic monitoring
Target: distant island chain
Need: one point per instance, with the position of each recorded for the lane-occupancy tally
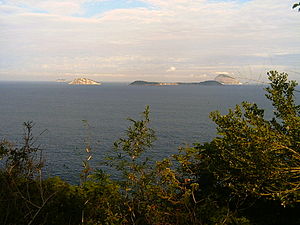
(221, 79)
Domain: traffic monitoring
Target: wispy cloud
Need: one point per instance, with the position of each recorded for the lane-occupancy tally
(171, 69)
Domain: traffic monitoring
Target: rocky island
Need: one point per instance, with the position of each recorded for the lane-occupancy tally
(221, 79)
(228, 80)
(84, 81)
(204, 83)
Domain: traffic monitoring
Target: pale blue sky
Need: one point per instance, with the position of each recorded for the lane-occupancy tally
(95, 8)
(162, 40)
(90, 8)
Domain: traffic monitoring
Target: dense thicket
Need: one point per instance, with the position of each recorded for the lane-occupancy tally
(249, 174)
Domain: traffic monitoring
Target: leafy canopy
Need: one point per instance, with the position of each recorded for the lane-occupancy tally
(255, 156)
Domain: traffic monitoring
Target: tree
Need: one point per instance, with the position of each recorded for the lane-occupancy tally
(254, 156)
(153, 192)
(27, 160)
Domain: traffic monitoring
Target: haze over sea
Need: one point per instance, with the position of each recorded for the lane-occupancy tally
(179, 115)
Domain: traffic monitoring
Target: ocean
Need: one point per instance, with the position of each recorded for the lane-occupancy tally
(179, 115)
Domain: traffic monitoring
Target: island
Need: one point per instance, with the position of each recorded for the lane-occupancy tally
(205, 83)
(227, 80)
(221, 79)
(84, 81)
(146, 83)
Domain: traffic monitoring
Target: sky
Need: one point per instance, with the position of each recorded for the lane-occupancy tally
(153, 40)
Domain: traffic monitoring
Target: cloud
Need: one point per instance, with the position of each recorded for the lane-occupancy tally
(226, 73)
(60, 7)
(199, 76)
(199, 37)
(171, 69)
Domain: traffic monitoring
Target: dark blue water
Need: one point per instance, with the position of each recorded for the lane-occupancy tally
(179, 115)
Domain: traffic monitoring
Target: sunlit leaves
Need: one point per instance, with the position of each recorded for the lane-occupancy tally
(257, 156)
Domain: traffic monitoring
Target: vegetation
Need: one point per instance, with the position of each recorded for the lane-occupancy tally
(296, 5)
(249, 174)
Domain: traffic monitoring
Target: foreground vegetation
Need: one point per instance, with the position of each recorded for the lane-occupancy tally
(249, 174)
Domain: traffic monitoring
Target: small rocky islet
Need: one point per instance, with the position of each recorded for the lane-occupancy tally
(84, 81)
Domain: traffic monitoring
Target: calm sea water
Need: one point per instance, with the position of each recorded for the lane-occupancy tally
(179, 115)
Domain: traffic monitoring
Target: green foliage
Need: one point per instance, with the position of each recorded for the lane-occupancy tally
(26, 198)
(287, 113)
(257, 156)
(103, 200)
(28, 201)
(86, 162)
(296, 5)
(153, 192)
(26, 160)
(140, 176)
(253, 162)
(139, 138)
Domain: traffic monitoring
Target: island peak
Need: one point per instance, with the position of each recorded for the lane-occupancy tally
(227, 80)
(84, 81)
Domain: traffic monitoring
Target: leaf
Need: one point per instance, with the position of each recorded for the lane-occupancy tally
(296, 5)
